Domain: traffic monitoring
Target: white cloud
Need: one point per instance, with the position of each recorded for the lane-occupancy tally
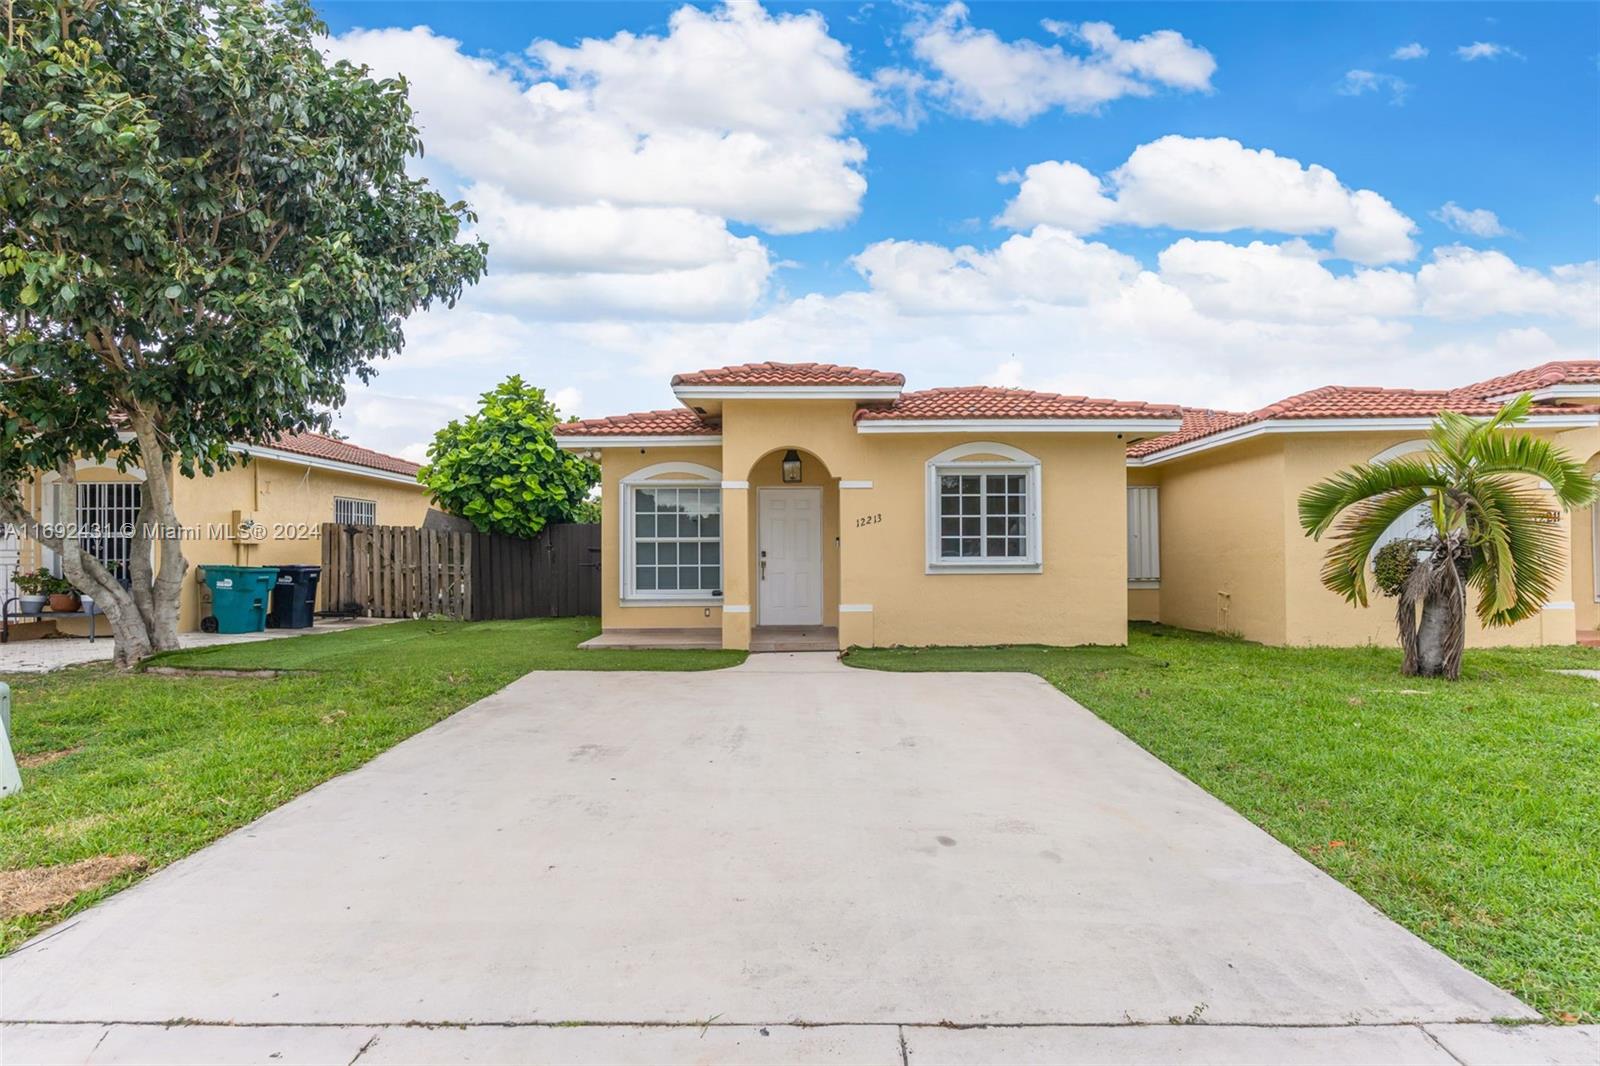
(1280, 282)
(1049, 266)
(1008, 375)
(648, 121)
(1486, 50)
(1471, 283)
(1479, 222)
(1360, 82)
(1215, 185)
(983, 76)
(1414, 50)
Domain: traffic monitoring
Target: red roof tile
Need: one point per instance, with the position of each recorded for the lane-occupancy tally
(1197, 422)
(680, 421)
(989, 401)
(791, 374)
(1572, 372)
(1346, 401)
(342, 451)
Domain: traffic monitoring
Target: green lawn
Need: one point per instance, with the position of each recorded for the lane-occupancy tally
(1468, 812)
(163, 765)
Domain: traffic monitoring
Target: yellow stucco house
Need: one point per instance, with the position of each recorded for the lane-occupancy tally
(260, 513)
(813, 505)
(1218, 544)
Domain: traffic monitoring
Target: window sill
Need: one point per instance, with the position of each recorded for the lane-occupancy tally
(696, 601)
(985, 568)
(1144, 584)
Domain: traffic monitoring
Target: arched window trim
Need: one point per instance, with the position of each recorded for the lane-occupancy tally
(969, 458)
(664, 475)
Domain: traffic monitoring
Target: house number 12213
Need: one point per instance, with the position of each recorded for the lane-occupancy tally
(869, 520)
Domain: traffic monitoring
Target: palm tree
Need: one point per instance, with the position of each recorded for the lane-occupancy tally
(1490, 527)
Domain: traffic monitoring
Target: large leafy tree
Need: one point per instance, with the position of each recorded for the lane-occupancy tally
(500, 467)
(1490, 529)
(205, 228)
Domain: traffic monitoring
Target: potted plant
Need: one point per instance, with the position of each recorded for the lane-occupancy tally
(35, 589)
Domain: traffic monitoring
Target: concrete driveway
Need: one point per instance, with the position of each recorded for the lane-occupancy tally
(698, 862)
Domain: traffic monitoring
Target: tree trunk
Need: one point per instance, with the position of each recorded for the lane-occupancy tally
(143, 616)
(1432, 616)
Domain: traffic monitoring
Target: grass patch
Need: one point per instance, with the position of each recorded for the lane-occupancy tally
(159, 766)
(1467, 812)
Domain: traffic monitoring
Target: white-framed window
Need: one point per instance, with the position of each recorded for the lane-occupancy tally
(983, 506)
(348, 511)
(1144, 537)
(107, 513)
(671, 534)
(1418, 521)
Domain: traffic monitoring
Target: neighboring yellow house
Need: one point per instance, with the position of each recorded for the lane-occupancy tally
(259, 513)
(1216, 542)
(811, 505)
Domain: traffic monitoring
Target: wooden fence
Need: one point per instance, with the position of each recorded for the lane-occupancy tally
(404, 572)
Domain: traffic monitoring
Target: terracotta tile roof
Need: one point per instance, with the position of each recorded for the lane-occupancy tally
(791, 374)
(1197, 422)
(989, 401)
(1346, 401)
(1573, 372)
(679, 421)
(342, 451)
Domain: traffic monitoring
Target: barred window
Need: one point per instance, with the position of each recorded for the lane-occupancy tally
(107, 514)
(352, 512)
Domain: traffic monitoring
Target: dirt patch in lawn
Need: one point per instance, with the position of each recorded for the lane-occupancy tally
(41, 888)
(44, 758)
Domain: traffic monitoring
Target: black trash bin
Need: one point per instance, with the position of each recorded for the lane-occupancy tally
(294, 597)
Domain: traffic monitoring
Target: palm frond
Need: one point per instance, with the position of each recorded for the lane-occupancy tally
(1322, 503)
(1514, 571)
(1359, 530)
(1519, 453)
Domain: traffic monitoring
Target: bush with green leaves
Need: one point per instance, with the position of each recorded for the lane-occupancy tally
(501, 469)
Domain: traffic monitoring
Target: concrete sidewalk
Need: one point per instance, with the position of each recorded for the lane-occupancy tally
(844, 858)
(754, 1045)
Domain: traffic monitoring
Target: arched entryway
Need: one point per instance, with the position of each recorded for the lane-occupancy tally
(793, 531)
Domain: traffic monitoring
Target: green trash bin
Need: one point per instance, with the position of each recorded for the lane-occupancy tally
(235, 598)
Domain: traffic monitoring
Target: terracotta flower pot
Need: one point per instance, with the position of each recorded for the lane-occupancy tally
(64, 601)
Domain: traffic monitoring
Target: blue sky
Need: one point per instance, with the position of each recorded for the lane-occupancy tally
(724, 184)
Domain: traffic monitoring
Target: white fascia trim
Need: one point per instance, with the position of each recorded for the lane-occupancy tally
(855, 608)
(1019, 425)
(855, 484)
(736, 608)
(316, 463)
(1338, 425)
(637, 441)
(787, 392)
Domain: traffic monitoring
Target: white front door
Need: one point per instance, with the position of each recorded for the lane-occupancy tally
(789, 563)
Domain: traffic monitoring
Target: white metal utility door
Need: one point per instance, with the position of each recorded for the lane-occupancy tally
(789, 564)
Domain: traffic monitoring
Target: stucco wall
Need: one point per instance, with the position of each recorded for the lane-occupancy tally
(616, 464)
(284, 497)
(1222, 541)
(1230, 524)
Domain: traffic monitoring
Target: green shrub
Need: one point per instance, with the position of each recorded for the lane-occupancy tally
(1393, 563)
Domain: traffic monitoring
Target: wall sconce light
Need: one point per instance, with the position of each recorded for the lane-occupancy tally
(791, 466)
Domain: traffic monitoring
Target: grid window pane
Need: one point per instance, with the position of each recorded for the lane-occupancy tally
(677, 539)
(983, 516)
